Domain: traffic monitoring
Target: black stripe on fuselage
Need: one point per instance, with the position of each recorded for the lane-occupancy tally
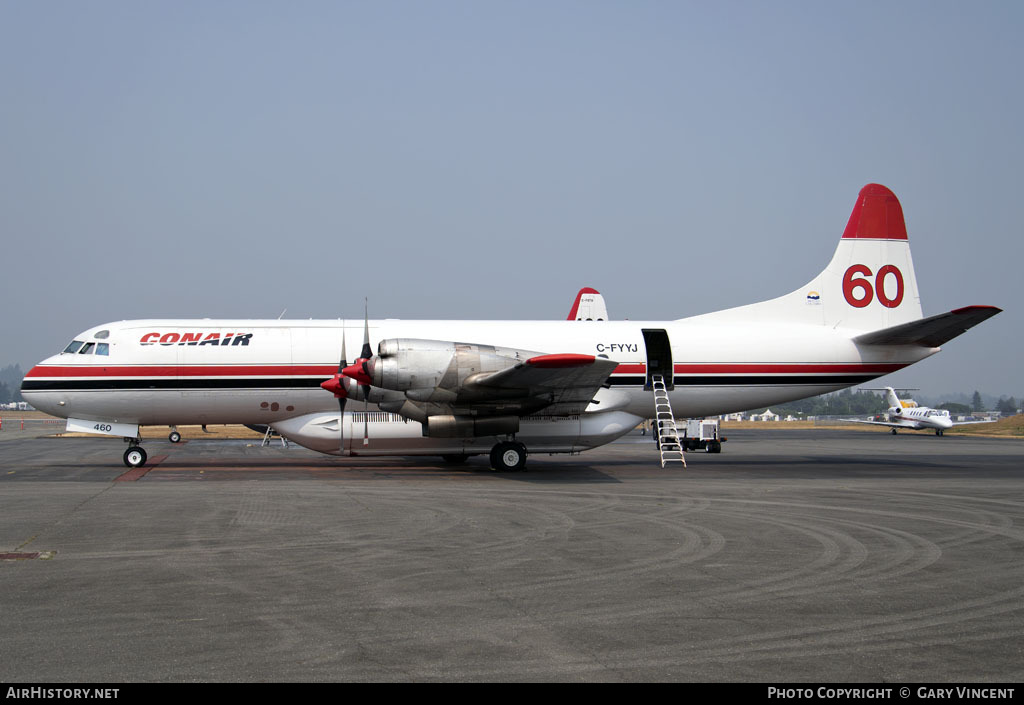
(747, 380)
(173, 384)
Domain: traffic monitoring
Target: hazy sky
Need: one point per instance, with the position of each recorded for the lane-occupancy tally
(487, 159)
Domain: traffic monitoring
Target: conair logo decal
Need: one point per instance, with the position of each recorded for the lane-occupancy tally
(195, 339)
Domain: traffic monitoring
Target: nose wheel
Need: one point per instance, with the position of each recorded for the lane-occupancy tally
(135, 457)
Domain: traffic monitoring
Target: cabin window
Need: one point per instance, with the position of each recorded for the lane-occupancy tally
(73, 346)
(102, 348)
(87, 349)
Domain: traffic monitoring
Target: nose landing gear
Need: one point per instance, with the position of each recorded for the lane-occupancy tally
(135, 456)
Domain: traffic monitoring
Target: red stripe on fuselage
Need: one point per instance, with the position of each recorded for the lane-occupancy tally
(786, 368)
(71, 371)
(185, 371)
(761, 368)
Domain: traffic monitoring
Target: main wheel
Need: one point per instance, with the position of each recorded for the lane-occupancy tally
(508, 456)
(175, 437)
(135, 457)
(894, 432)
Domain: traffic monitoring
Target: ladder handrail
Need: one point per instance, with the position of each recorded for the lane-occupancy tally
(669, 446)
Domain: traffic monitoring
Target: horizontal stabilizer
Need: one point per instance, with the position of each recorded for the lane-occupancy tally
(930, 332)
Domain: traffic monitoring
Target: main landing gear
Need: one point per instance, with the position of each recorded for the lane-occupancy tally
(508, 456)
(135, 456)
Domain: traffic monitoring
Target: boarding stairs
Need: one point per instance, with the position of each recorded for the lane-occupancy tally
(669, 447)
(269, 436)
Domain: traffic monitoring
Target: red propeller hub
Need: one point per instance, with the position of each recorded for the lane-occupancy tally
(355, 371)
(336, 386)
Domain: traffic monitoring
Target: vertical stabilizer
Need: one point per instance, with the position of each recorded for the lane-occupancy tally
(868, 285)
(588, 306)
(891, 399)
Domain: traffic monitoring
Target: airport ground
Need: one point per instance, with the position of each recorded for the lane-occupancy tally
(794, 555)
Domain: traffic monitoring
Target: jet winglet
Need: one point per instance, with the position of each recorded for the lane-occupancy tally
(930, 332)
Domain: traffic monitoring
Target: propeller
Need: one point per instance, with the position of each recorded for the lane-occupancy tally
(364, 355)
(359, 371)
(338, 386)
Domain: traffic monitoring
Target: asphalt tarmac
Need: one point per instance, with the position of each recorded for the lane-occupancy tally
(817, 555)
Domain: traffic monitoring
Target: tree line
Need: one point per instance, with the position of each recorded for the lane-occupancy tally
(860, 403)
(10, 384)
(844, 403)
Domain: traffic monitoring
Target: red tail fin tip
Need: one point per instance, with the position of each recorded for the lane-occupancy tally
(877, 215)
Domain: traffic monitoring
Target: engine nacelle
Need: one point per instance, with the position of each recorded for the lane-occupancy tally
(405, 364)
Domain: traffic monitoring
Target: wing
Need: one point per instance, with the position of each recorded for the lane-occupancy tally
(930, 332)
(876, 423)
(966, 423)
(567, 381)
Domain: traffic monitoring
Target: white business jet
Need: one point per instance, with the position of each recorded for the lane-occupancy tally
(506, 388)
(905, 413)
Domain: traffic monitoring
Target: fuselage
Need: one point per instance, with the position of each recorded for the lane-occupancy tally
(265, 371)
(921, 418)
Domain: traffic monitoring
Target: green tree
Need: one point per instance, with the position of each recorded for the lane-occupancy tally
(976, 403)
(1007, 406)
(954, 408)
(11, 377)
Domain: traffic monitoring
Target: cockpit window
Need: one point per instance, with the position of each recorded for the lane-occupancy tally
(102, 348)
(102, 335)
(87, 349)
(73, 346)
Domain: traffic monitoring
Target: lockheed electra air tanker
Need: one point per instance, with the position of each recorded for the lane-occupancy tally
(508, 388)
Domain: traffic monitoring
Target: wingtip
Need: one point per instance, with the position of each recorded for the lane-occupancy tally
(971, 309)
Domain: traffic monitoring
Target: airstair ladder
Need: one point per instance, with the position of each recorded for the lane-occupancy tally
(665, 424)
(269, 436)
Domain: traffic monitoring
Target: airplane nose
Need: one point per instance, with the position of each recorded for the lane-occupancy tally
(32, 393)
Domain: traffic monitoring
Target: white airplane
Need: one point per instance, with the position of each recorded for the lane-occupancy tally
(462, 388)
(905, 413)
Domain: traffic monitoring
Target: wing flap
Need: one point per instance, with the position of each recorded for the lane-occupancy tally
(930, 332)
